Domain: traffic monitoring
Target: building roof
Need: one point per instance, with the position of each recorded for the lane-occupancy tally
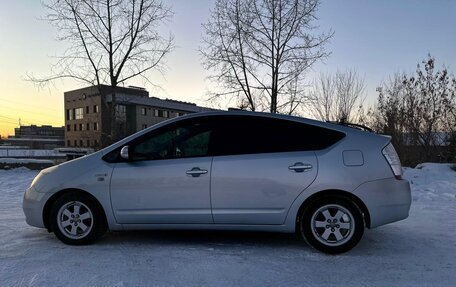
(140, 96)
(160, 103)
(106, 90)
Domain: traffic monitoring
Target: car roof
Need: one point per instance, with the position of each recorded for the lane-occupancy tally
(345, 129)
(328, 125)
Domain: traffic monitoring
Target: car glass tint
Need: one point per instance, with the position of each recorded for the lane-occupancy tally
(178, 142)
(251, 135)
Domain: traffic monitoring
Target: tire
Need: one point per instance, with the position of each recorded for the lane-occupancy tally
(332, 225)
(77, 219)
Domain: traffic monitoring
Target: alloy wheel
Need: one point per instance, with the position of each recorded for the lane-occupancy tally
(75, 220)
(332, 225)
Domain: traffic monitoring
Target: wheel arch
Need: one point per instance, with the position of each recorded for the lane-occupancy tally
(54, 197)
(335, 193)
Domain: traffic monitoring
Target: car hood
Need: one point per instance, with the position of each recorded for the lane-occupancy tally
(55, 178)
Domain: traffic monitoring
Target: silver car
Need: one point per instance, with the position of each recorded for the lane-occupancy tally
(230, 170)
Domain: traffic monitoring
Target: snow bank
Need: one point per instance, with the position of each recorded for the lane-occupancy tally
(34, 164)
(432, 182)
(30, 153)
(25, 160)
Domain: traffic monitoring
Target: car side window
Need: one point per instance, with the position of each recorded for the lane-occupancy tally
(253, 135)
(190, 140)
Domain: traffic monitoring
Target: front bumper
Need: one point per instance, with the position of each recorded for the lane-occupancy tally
(33, 206)
(387, 200)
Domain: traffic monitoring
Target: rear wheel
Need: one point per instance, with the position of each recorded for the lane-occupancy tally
(332, 225)
(76, 219)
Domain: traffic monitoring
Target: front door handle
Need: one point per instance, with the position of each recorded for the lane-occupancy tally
(196, 171)
(300, 167)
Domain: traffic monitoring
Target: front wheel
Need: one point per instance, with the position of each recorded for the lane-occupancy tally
(332, 225)
(76, 219)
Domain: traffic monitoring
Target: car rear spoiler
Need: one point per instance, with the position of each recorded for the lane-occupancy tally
(351, 125)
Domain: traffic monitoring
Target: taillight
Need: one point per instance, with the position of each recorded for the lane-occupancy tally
(393, 159)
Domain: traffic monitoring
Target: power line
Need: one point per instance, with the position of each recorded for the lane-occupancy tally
(7, 117)
(8, 122)
(33, 112)
(10, 118)
(23, 121)
(35, 106)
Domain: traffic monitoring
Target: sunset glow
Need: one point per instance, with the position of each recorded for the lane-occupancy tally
(384, 38)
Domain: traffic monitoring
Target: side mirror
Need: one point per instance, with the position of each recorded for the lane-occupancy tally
(124, 153)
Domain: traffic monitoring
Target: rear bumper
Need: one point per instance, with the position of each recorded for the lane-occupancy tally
(387, 200)
(33, 205)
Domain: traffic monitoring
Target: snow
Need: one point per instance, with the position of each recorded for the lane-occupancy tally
(30, 153)
(24, 160)
(418, 251)
(35, 164)
(432, 182)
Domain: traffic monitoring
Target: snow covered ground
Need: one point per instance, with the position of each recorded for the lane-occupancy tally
(24, 160)
(419, 251)
(30, 153)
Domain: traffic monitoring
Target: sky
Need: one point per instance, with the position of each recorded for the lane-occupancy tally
(377, 38)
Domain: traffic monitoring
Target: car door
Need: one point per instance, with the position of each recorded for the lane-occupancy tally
(167, 179)
(261, 165)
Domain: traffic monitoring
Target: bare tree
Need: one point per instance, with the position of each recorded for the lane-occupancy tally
(322, 96)
(260, 49)
(428, 107)
(336, 97)
(110, 43)
(350, 91)
(450, 124)
(389, 115)
(417, 111)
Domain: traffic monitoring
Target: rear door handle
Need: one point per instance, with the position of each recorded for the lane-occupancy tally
(300, 167)
(196, 171)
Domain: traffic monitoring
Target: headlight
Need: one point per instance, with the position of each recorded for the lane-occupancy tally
(35, 180)
(42, 173)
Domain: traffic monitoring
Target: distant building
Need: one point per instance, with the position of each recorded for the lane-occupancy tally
(37, 137)
(88, 120)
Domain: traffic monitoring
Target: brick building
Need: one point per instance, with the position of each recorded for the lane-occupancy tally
(88, 120)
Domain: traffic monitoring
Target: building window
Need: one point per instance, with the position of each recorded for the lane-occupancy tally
(81, 127)
(75, 127)
(68, 128)
(87, 109)
(95, 143)
(81, 143)
(95, 109)
(156, 113)
(88, 126)
(121, 113)
(166, 114)
(160, 113)
(68, 143)
(180, 114)
(143, 111)
(78, 114)
(88, 143)
(75, 143)
(69, 114)
(144, 126)
(95, 126)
